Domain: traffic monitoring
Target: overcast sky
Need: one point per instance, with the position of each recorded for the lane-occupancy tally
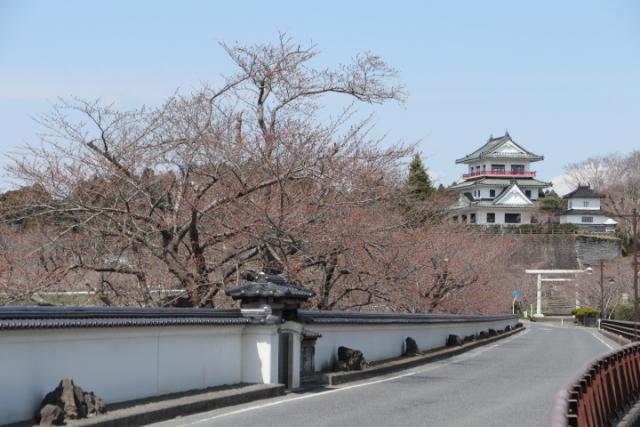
(562, 76)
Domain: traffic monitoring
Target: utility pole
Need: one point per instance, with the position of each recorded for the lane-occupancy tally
(636, 312)
(634, 233)
(601, 289)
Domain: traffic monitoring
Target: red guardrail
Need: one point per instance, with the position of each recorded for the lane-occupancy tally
(603, 393)
(500, 174)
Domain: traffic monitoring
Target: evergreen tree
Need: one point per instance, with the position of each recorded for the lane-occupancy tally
(552, 203)
(418, 186)
(417, 189)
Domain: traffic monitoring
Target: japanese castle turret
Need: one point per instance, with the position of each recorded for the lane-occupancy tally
(583, 210)
(499, 187)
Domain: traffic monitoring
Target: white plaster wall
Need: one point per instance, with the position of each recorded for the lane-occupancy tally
(389, 339)
(577, 219)
(260, 355)
(481, 216)
(121, 364)
(578, 203)
(118, 364)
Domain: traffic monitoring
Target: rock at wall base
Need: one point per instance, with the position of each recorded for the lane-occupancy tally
(410, 347)
(50, 415)
(350, 359)
(72, 403)
(454, 340)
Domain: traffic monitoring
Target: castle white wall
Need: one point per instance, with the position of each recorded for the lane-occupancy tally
(481, 215)
(579, 203)
(577, 219)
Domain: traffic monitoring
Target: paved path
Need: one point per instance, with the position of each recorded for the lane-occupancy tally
(509, 383)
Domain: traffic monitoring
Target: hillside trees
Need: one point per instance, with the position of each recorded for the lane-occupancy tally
(209, 188)
(206, 183)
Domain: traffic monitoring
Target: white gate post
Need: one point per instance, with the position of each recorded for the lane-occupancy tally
(539, 298)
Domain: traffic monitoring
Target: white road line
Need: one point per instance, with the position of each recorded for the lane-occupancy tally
(464, 356)
(601, 340)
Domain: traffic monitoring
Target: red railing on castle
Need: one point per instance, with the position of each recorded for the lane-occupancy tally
(500, 174)
(603, 393)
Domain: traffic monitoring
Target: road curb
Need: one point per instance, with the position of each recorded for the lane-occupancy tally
(631, 418)
(161, 410)
(614, 337)
(336, 378)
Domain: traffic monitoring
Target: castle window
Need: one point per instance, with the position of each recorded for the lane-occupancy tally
(491, 217)
(512, 218)
(517, 168)
(492, 193)
(497, 168)
(585, 204)
(587, 219)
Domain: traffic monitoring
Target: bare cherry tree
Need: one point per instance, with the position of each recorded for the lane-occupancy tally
(209, 183)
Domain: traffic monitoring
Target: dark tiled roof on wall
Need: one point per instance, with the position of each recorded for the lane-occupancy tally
(107, 317)
(338, 317)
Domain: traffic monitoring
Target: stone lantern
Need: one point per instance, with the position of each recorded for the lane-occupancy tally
(270, 297)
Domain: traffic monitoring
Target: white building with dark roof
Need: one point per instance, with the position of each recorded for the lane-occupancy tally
(499, 187)
(584, 209)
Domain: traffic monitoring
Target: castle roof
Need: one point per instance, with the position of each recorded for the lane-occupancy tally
(501, 182)
(510, 197)
(500, 148)
(583, 192)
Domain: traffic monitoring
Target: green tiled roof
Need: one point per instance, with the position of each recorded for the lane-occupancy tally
(500, 182)
(493, 144)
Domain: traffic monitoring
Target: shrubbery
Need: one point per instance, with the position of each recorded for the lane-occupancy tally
(533, 228)
(623, 312)
(584, 312)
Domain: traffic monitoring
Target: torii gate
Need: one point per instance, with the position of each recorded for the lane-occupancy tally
(540, 273)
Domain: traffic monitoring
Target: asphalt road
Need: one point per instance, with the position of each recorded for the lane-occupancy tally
(509, 383)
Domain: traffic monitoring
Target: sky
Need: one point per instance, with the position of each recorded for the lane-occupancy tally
(562, 76)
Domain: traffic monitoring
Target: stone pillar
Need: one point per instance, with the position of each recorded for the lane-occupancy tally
(539, 298)
(295, 329)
